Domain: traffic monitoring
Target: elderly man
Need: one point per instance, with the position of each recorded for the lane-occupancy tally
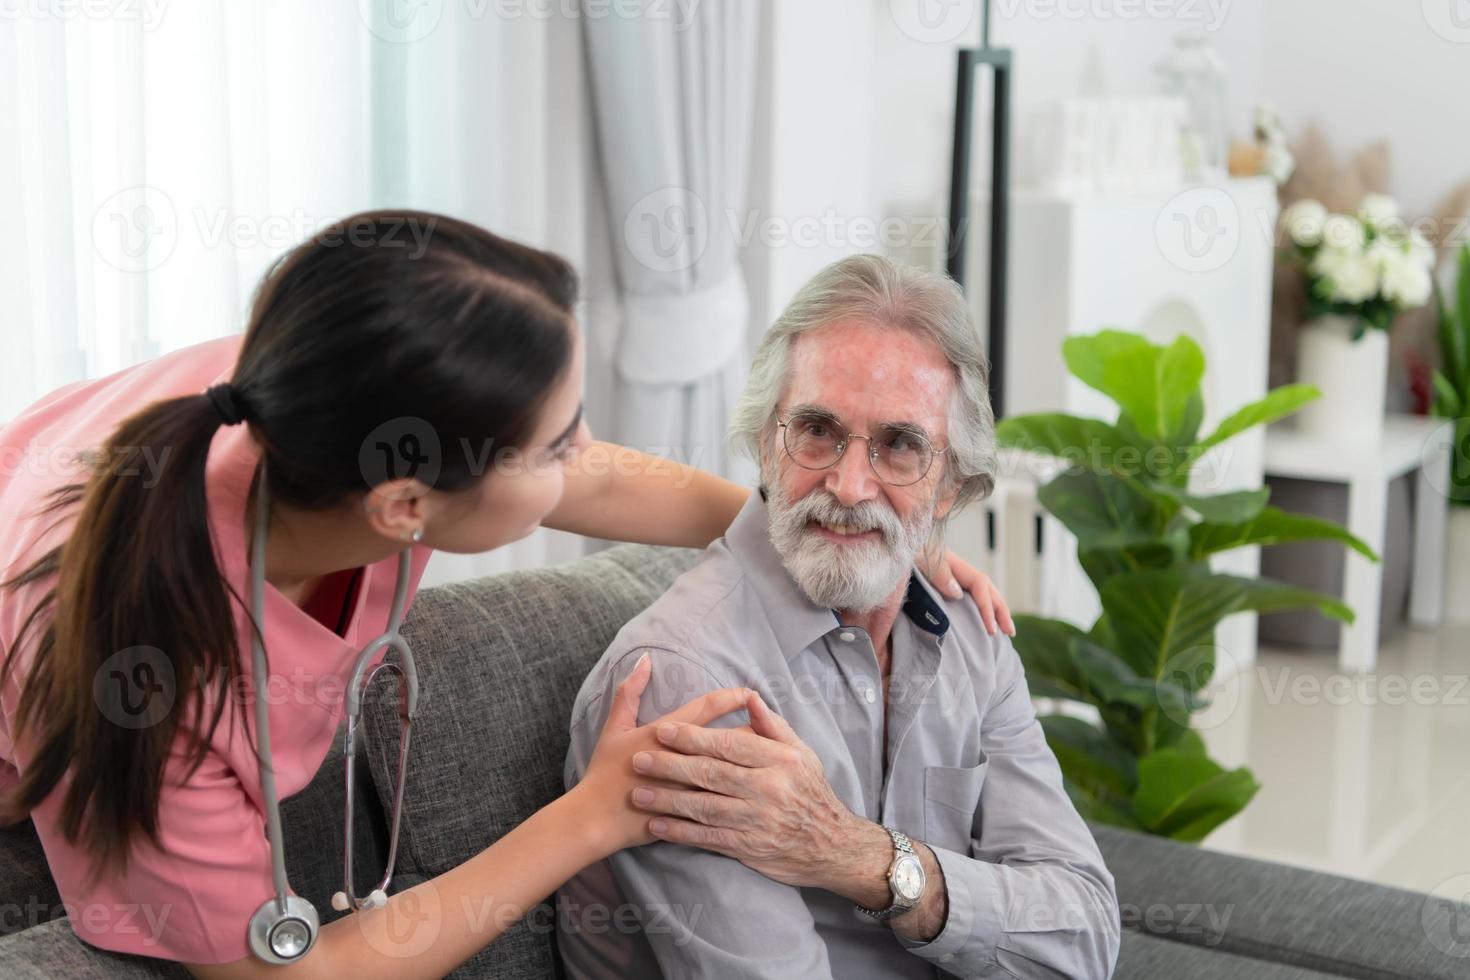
(889, 804)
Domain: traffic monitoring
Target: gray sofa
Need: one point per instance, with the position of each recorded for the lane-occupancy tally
(500, 661)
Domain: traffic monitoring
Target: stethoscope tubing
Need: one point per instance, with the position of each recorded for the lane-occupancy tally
(284, 909)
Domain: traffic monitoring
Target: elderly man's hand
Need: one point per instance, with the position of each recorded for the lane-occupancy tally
(759, 795)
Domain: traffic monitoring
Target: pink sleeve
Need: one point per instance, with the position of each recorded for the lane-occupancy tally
(190, 902)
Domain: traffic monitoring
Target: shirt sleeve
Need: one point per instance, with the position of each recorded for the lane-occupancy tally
(190, 901)
(703, 914)
(1033, 898)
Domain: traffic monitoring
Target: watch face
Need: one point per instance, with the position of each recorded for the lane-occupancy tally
(908, 877)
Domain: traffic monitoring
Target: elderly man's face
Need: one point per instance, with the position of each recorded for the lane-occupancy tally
(847, 536)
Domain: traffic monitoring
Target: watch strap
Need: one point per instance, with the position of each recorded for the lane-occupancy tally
(901, 846)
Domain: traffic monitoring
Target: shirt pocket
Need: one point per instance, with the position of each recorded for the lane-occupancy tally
(951, 799)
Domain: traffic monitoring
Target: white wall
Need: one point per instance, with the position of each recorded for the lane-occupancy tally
(1061, 48)
(854, 120)
(1379, 69)
(812, 145)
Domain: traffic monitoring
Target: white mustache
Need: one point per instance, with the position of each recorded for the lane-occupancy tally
(869, 515)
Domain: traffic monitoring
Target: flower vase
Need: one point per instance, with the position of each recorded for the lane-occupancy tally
(1351, 374)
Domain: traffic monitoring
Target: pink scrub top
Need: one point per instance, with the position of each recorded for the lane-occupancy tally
(190, 900)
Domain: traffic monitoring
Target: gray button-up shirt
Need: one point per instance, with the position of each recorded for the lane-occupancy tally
(965, 768)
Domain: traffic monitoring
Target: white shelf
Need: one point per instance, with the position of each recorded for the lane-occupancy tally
(1409, 444)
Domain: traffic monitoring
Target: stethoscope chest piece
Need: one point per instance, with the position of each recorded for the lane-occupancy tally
(284, 934)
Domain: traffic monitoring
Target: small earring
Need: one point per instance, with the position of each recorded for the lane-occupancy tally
(418, 535)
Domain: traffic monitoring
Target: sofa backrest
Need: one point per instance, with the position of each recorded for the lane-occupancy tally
(500, 661)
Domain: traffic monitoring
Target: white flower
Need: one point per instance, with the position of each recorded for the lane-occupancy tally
(1278, 162)
(1420, 248)
(1405, 278)
(1303, 222)
(1268, 122)
(1351, 273)
(1344, 232)
(1378, 209)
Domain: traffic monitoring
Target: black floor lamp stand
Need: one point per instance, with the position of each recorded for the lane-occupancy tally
(1001, 63)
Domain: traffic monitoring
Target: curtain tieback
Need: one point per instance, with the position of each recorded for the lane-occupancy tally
(678, 339)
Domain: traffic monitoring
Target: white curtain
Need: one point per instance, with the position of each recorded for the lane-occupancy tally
(673, 87)
(156, 156)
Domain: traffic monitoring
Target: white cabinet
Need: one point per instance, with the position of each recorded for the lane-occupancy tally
(1196, 261)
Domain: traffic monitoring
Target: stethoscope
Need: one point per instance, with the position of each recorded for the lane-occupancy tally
(286, 927)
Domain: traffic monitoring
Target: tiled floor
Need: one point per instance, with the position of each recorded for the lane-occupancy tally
(1367, 777)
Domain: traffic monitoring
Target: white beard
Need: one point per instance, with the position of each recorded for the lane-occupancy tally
(857, 576)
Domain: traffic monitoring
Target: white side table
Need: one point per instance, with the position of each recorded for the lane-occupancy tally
(1409, 443)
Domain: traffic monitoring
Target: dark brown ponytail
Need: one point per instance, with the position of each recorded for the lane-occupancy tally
(138, 566)
(384, 317)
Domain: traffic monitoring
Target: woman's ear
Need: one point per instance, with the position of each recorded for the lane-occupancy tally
(396, 509)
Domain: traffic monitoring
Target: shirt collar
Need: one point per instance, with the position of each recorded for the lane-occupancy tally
(922, 608)
(797, 621)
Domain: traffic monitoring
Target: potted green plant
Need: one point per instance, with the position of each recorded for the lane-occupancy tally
(1145, 539)
(1361, 271)
(1451, 401)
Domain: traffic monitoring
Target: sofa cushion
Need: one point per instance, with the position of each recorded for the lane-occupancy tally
(1147, 957)
(26, 889)
(52, 950)
(500, 661)
(1273, 912)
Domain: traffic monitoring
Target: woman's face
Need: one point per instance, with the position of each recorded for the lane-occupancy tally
(522, 486)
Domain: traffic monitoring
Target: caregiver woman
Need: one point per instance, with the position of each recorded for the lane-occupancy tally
(357, 339)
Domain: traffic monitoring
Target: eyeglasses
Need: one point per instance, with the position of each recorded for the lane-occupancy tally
(899, 455)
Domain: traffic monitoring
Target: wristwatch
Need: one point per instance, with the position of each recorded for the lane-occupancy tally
(905, 879)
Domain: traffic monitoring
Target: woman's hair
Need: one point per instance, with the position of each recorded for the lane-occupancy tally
(891, 294)
(382, 333)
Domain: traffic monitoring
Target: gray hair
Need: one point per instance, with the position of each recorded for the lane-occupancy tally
(881, 291)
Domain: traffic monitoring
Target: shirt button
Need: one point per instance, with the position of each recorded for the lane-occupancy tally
(869, 695)
(946, 957)
(847, 636)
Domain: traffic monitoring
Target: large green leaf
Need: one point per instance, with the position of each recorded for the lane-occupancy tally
(1447, 404)
(1152, 385)
(1162, 623)
(1278, 403)
(1459, 349)
(1092, 443)
(1090, 759)
(1234, 507)
(1459, 478)
(1451, 340)
(1087, 357)
(1183, 436)
(1190, 742)
(1102, 564)
(1184, 795)
(1095, 810)
(1100, 774)
(1044, 646)
(1106, 511)
(1270, 526)
(1159, 461)
(1061, 661)
(1115, 685)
